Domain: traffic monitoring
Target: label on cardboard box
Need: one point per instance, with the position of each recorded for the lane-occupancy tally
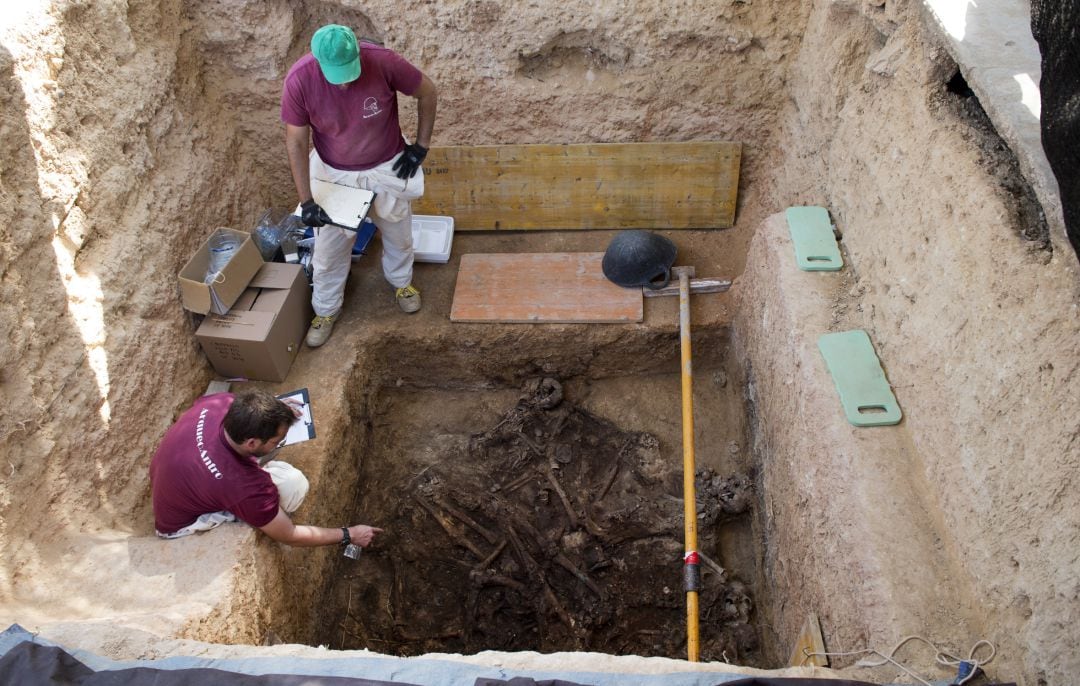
(259, 337)
(197, 296)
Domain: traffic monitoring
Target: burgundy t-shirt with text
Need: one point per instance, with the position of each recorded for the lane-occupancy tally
(355, 126)
(195, 472)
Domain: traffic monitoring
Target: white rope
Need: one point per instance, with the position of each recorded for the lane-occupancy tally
(871, 651)
(942, 658)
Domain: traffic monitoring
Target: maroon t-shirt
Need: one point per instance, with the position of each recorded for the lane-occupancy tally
(355, 126)
(195, 471)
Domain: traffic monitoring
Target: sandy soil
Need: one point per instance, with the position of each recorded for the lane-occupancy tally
(129, 132)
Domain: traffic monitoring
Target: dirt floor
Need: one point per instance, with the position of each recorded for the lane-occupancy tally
(129, 131)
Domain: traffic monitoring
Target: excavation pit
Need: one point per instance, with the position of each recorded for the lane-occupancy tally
(545, 512)
(134, 129)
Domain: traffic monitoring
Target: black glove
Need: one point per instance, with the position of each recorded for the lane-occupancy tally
(313, 215)
(410, 160)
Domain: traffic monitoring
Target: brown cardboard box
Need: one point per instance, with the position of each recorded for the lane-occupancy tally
(259, 337)
(195, 295)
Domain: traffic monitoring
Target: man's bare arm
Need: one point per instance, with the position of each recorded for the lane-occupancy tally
(296, 144)
(426, 101)
(282, 530)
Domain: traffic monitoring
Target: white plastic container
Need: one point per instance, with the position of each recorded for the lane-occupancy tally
(432, 238)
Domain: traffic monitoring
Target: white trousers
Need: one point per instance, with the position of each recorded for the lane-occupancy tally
(292, 488)
(291, 484)
(392, 213)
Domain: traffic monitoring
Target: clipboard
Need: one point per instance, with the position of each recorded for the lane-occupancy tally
(346, 205)
(303, 429)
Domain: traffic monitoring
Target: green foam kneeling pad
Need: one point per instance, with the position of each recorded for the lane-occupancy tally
(864, 391)
(812, 236)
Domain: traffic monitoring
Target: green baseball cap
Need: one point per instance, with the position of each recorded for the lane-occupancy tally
(334, 47)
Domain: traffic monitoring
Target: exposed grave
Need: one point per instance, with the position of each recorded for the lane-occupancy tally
(551, 528)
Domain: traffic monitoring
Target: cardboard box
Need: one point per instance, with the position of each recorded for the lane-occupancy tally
(259, 337)
(196, 295)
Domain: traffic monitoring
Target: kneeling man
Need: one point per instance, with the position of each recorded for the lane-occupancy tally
(206, 472)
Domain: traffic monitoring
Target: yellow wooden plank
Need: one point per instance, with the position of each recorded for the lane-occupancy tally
(541, 287)
(808, 643)
(584, 186)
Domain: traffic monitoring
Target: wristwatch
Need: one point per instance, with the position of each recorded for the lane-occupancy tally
(346, 539)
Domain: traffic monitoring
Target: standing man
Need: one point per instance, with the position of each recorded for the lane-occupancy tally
(206, 472)
(343, 94)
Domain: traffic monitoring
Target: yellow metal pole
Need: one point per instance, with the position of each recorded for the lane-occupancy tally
(691, 571)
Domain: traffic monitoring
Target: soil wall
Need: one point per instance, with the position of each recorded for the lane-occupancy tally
(975, 322)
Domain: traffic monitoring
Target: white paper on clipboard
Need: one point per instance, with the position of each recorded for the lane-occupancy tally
(345, 204)
(303, 429)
